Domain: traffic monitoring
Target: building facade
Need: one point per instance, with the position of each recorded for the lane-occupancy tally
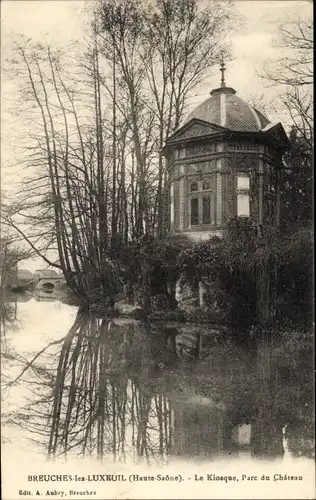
(224, 161)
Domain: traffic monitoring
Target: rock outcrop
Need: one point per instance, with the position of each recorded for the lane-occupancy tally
(126, 310)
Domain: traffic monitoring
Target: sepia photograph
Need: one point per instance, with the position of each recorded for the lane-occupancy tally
(156, 250)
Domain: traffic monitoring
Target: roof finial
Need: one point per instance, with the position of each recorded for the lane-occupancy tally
(222, 66)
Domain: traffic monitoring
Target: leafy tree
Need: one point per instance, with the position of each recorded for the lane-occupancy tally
(149, 267)
(266, 278)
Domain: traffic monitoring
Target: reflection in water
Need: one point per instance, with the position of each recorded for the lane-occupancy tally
(124, 389)
(99, 407)
(46, 296)
(40, 295)
(107, 399)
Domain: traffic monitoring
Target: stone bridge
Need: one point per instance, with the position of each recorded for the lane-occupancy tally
(49, 279)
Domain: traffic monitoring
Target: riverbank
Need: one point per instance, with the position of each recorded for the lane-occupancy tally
(181, 315)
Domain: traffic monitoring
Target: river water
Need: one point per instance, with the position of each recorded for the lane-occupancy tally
(131, 394)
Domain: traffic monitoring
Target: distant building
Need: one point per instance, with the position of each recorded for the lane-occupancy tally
(48, 278)
(224, 161)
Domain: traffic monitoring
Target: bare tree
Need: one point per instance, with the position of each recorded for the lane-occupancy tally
(96, 129)
(68, 189)
(299, 105)
(296, 40)
(159, 63)
(294, 71)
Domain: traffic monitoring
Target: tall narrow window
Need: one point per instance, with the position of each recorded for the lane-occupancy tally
(172, 204)
(243, 205)
(194, 211)
(243, 200)
(206, 210)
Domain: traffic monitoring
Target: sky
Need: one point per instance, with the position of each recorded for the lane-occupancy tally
(62, 21)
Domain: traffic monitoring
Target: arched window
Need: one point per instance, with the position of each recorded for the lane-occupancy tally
(194, 186)
(206, 185)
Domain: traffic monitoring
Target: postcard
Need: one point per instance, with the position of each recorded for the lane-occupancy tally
(156, 250)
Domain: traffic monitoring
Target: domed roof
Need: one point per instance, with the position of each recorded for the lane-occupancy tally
(226, 109)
